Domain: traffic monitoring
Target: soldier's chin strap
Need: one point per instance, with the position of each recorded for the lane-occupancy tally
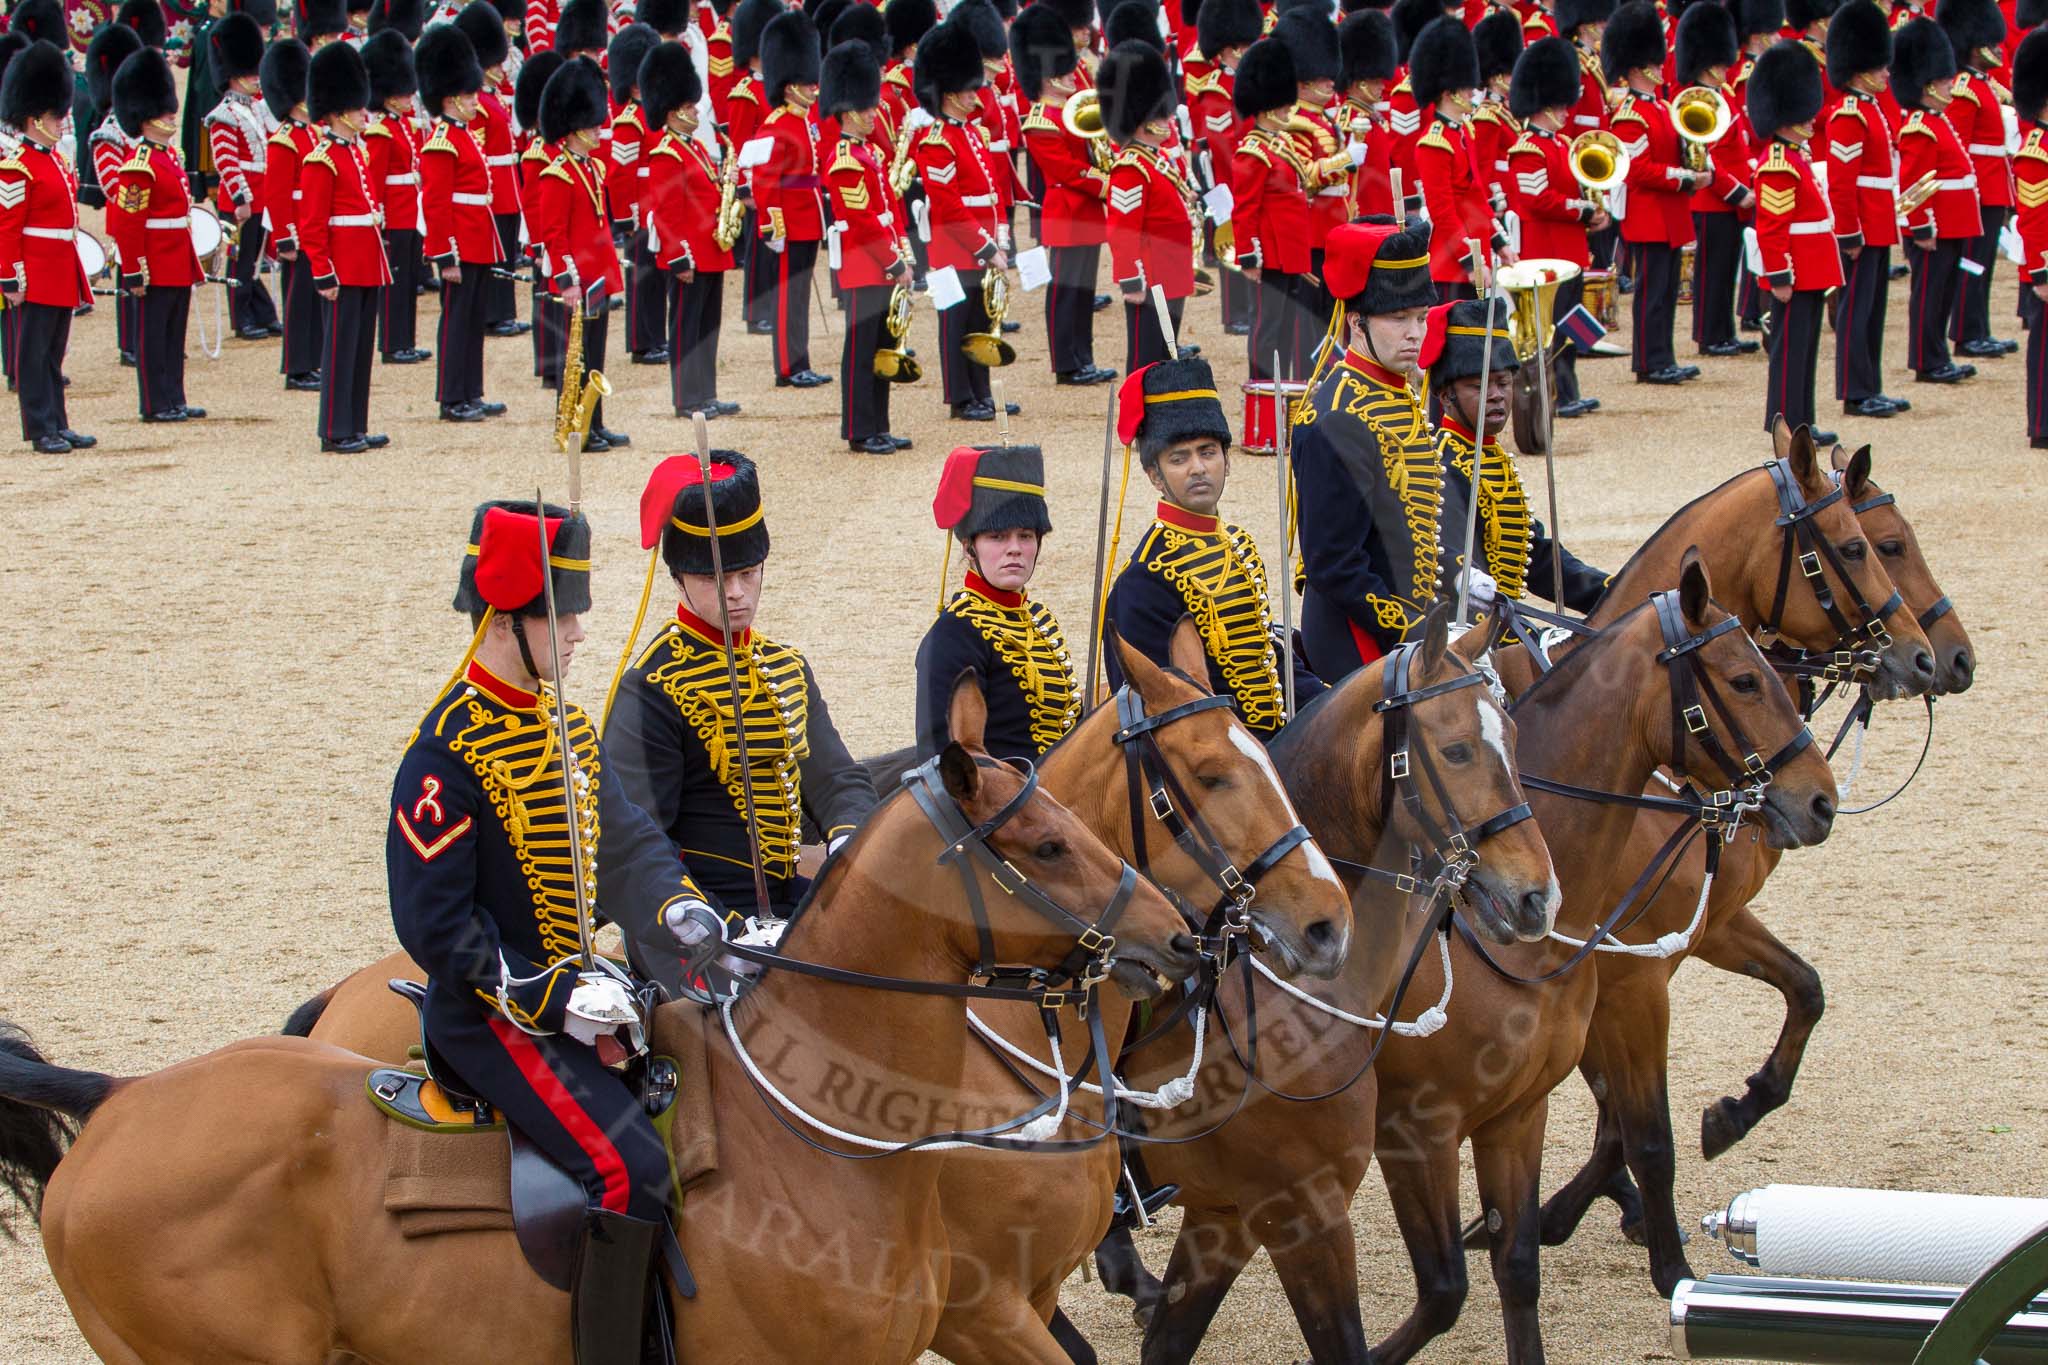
(525, 652)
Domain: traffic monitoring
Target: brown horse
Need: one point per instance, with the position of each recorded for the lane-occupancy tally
(230, 1207)
(1281, 1172)
(1627, 1048)
(1004, 1273)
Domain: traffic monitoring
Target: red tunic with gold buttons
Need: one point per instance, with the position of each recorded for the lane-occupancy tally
(1862, 188)
(339, 228)
(625, 146)
(149, 211)
(38, 228)
(499, 154)
(288, 146)
(1457, 204)
(2030, 172)
(391, 156)
(958, 174)
(1794, 230)
(455, 198)
(571, 230)
(679, 205)
(787, 184)
(718, 65)
(864, 214)
(1545, 196)
(1977, 113)
(1928, 143)
(1659, 211)
(1076, 185)
(1149, 227)
(1269, 216)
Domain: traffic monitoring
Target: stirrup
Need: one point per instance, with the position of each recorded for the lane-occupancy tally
(1136, 1203)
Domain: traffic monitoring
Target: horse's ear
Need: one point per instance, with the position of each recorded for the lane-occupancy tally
(967, 714)
(1804, 463)
(1781, 436)
(1474, 642)
(1695, 590)
(957, 770)
(1184, 651)
(1855, 472)
(1139, 670)
(1436, 634)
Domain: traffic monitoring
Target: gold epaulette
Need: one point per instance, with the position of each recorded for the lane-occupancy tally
(843, 159)
(1848, 105)
(140, 162)
(320, 156)
(534, 152)
(15, 163)
(1627, 110)
(283, 138)
(667, 147)
(1916, 122)
(1255, 149)
(441, 142)
(741, 91)
(1435, 138)
(935, 138)
(1524, 143)
(630, 114)
(558, 171)
(381, 129)
(1776, 159)
(2032, 149)
(1038, 121)
(898, 76)
(1535, 23)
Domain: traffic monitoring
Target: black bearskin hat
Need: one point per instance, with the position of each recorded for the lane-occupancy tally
(532, 79)
(447, 67)
(358, 7)
(282, 76)
(504, 553)
(1226, 23)
(672, 513)
(748, 21)
(850, 78)
(1859, 40)
(1365, 43)
(1804, 14)
(1634, 37)
(1443, 61)
(1168, 402)
(1921, 55)
(908, 21)
(37, 82)
(2030, 76)
(237, 48)
(1410, 18)
(1573, 15)
(630, 46)
(1972, 26)
(1041, 48)
(264, 12)
(572, 100)
(668, 82)
(1784, 89)
(865, 25)
(1135, 87)
(1265, 79)
(966, 503)
(337, 82)
(948, 63)
(1372, 267)
(789, 54)
(111, 46)
(143, 90)
(583, 27)
(319, 19)
(1546, 77)
(822, 19)
(1361, 6)
(1133, 21)
(2030, 14)
(1455, 345)
(42, 21)
(1497, 39)
(481, 23)
(981, 20)
(406, 17)
(1076, 13)
(1311, 39)
(666, 17)
(1706, 39)
(1321, 7)
(1757, 18)
(388, 59)
(146, 17)
(513, 12)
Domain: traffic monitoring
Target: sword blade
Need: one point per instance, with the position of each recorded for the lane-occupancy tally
(571, 810)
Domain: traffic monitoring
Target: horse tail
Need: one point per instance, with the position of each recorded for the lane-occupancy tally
(300, 1025)
(41, 1107)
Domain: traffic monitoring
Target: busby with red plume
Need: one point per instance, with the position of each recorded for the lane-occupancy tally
(501, 568)
(314, 19)
(110, 47)
(672, 513)
(992, 488)
(1166, 403)
(42, 21)
(1454, 344)
(1374, 267)
(146, 17)
(406, 17)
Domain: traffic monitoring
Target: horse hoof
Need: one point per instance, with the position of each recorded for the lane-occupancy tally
(1142, 1315)
(1719, 1128)
(1634, 1232)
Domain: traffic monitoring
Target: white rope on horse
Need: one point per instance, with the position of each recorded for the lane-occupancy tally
(1855, 764)
(1667, 945)
(1426, 1023)
(1038, 1130)
(1175, 1092)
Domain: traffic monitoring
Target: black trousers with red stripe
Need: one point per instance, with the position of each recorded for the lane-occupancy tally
(1930, 302)
(160, 348)
(554, 1090)
(345, 363)
(646, 298)
(399, 313)
(1274, 326)
(1655, 307)
(1972, 318)
(1719, 238)
(501, 296)
(249, 303)
(963, 381)
(304, 320)
(791, 269)
(2037, 362)
(548, 337)
(1070, 307)
(126, 308)
(695, 313)
(1144, 342)
(1794, 353)
(39, 333)
(863, 394)
(1859, 324)
(459, 363)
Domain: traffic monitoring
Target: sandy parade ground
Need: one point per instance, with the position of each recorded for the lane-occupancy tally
(221, 639)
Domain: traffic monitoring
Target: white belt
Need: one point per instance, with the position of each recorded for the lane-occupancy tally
(301, 194)
(999, 146)
(167, 223)
(1877, 182)
(506, 160)
(409, 178)
(1498, 165)
(353, 220)
(482, 201)
(1968, 182)
(1811, 229)
(979, 201)
(54, 234)
(1987, 149)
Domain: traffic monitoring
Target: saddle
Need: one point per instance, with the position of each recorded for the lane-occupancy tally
(453, 1164)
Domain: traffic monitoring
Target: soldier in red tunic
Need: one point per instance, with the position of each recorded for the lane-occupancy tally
(571, 232)
(1443, 71)
(1977, 32)
(108, 150)
(1332, 157)
(679, 208)
(869, 241)
(1582, 23)
(746, 109)
(238, 133)
(534, 157)
(1658, 224)
(391, 154)
(1863, 193)
(40, 274)
(461, 241)
(2030, 172)
(1923, 75)
(1152, 222)
(625, 178)
(787, 189)
(149, 211)
(1795, 232)
(481, 23)
(344, 246)
(1555, 215)
(1074, 173)
(1497, 39)
(1269, 210)
(1224, 31)
(283, 75)
(1756, 25)
(1706, 50)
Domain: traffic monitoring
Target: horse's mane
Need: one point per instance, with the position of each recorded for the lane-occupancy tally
(1620, 578)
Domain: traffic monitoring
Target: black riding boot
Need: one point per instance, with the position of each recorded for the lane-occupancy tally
(1124, 1213)
(608, 1299)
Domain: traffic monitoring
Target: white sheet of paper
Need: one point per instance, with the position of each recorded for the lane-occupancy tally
(1034, 271)
(1219, 202)
(1971, 267)
(944, 288)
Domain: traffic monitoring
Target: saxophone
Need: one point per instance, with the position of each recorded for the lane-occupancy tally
(577, 406)
(731, 216)
(902, 168)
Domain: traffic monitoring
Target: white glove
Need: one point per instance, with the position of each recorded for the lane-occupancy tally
(837, 842)
(693, 922)
(1484, 589)
(599, 1005)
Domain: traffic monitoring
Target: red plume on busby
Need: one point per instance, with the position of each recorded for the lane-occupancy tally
(387, 56)
(748, 22)
(1134, 87)
(42, 21)
(1757, 18)
(319, 19)
(1311, 39)
(481, 23)
(1166, 403)
(1365, 46)
(526, 87)
(666, 17)
(948, 63)
(237, 48)
(1133, 21)
(282, 76)
(1921, 55)
(1859, 40)
(2030, 76)
(672, 513)
(1454, 346)
(849, 79)
(1226, 24)
(1443, 62)
(630, 46)
(668, 82)
(337, 82)
(1546, 77)
(789, 54)
(1973, 26)
(1041, 49)
(1706, 39)
(38, 82)
(908, 21)
(1265, 79)
(501, 566)
(1634, 38)
(143, 90)
(1497, 39)
(406, 17)
(146, 17)
(1374, 267)
(573, 100)
(862, 24)
(583, 28)
(447, 66)
(1573, 15)
(111, 46)
(992, 488)
(1784, 89)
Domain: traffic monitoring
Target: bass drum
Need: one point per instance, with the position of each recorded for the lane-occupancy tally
(92, 254)
(207, 234)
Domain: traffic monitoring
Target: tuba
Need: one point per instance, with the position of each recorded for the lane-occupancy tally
(1531, 287)
(1599, 164)
(731, 215)
(988, 349)
(581, 393)
(891, 363)
(1703, 118)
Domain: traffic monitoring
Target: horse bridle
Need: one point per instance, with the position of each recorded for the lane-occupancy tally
(1857, 650)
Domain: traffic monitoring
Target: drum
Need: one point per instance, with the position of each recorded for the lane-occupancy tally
(1687, 258)
(92, 254)
(1601, 300)
(1257, 435)
(207, 235)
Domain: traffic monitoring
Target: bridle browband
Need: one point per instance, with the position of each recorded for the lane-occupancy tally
(1857, 651)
